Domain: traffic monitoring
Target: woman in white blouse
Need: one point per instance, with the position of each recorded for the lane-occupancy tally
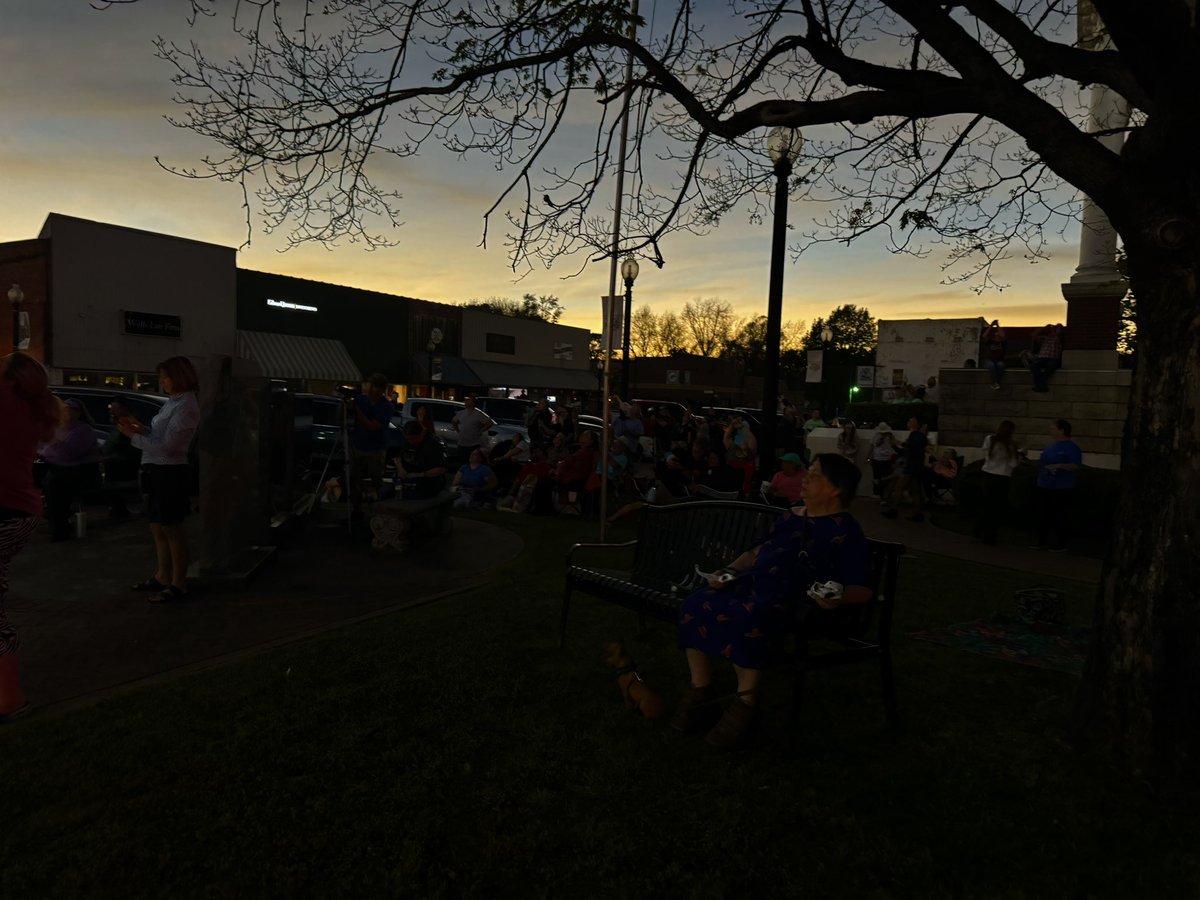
(1000, 458)
(166, 475)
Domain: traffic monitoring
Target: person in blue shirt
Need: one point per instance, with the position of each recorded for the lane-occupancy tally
(372, 414)
(1056, 483)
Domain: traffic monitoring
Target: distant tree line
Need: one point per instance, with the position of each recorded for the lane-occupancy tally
(708, 327)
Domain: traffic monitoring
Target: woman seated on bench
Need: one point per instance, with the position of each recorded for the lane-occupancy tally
(770, 593)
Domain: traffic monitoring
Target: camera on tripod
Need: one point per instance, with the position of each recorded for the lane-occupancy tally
(348, 392)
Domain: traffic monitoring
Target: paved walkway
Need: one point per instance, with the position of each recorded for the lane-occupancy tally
(924, 536)
(85, 633)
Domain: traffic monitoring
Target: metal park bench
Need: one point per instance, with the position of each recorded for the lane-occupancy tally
(673, 540)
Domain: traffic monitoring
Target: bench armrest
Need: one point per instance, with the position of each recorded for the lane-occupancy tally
(622, 546)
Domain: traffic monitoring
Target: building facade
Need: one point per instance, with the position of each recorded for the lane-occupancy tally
(108, 303)
(911, 351)
(103, 304)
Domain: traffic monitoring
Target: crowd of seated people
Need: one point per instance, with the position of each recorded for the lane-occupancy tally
(660, 453)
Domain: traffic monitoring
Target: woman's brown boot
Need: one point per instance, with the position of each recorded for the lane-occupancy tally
(734, 727)
(696, 711)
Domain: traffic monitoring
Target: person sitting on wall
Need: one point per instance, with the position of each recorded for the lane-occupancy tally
(421, 463)
(995, 343)
(1048, 358)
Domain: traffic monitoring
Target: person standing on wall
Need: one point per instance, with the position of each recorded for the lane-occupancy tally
(166, 475)
(1057, 480)
(471, 424)
(31, 415)
(368, 441)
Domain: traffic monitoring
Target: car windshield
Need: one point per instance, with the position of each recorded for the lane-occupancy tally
(438, 412)
(508, 409)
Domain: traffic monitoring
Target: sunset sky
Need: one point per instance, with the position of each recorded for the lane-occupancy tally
(84, 106)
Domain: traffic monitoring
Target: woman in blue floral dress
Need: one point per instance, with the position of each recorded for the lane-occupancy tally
(739, 619)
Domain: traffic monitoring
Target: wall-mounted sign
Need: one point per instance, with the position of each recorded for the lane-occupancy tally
(563, 351)
(866, 376)
(151, 324)
(287, 304)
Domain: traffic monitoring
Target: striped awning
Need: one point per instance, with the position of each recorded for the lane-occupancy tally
(293, 356)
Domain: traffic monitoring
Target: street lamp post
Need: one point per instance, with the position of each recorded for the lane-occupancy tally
(435, 338)
(826, 341)
(629, 271)
(15, 297)
(783, 146)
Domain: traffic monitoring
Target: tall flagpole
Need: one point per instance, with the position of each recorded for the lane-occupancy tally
(612, 285)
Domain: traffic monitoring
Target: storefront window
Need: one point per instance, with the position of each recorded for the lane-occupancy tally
(117, 381)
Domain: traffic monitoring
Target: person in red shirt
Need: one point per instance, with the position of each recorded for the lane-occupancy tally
(31, 415)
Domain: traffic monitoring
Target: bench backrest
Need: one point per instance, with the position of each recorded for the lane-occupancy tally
(674, 539)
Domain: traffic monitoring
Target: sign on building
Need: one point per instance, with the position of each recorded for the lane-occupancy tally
(151, 324)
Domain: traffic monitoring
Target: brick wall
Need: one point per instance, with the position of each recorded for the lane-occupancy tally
(1095, 403)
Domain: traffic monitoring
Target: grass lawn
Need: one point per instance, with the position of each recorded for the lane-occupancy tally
(454, 751)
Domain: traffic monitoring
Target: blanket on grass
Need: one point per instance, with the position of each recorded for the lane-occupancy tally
(1059, 647)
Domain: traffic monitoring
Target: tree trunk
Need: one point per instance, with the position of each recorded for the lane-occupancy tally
(1141, 685)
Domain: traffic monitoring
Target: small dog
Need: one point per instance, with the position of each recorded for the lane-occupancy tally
(636, 693)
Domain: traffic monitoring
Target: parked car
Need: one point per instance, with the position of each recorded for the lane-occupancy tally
(594, 424)
(507, 410)
(120, 465)
(143, 406)
(317, 429)
(442, 413)
(679, 412)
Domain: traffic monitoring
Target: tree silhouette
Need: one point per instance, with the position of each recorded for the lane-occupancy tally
(854, 331)
(950, 123)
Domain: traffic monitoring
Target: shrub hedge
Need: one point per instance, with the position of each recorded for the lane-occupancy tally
(868, 415)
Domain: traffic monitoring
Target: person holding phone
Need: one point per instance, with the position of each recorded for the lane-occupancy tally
(166, 476)
(736, 617)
